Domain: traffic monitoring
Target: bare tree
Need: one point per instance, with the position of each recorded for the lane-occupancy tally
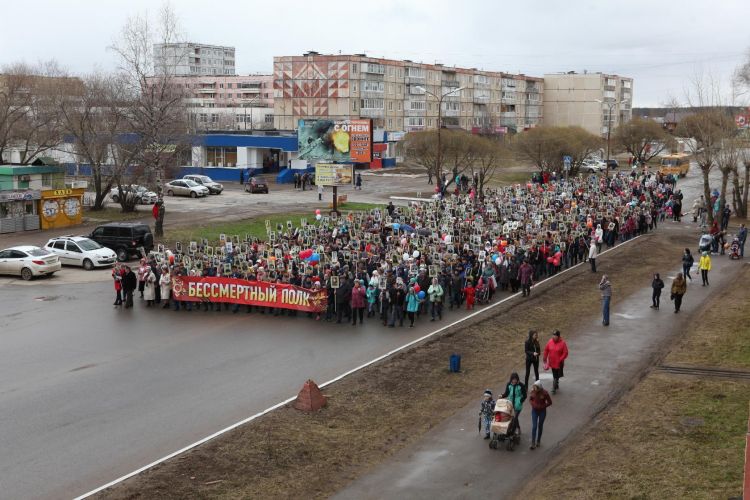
(29, 108)
(546, 146)
(643, 139)
(421, 147)
(157, 117)
(490, 155)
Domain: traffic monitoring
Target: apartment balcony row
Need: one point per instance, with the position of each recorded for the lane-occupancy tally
(372, 112)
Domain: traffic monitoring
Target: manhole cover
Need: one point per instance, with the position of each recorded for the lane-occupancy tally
(692, 421)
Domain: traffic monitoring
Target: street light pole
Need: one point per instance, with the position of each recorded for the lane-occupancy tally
(439, 155)
(610, 106)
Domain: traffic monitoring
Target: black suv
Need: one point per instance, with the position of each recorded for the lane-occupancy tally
(125, 238)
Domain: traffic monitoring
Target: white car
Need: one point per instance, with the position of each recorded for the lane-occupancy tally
(142, 195)
(185, 187)
(28, 262)
(80, 251)
(593, 166)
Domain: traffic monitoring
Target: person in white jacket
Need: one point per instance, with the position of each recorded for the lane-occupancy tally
(165, 284)
(599, 237)
(593, 253)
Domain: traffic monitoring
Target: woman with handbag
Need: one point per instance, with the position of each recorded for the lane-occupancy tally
(532, 348)
(679, 287)
(555, 354)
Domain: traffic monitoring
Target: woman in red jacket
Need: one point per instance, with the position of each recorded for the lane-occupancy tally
(540, 400)
(555, 353)
(358, 302)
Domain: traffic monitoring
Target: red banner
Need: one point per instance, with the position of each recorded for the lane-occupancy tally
(254, 293)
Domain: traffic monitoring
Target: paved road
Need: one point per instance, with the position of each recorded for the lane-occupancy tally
(89, 393)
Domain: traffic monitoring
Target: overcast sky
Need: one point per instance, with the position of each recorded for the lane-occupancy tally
(661, 44)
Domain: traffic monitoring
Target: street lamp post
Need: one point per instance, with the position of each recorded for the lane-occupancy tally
(610, 106)
(439, 156)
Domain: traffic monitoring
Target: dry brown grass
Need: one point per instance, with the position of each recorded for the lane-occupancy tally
(374, 413)
(672, 436)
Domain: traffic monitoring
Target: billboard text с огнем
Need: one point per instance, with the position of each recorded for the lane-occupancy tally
(335, 140)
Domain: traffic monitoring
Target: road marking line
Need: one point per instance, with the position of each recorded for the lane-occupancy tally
(323, 385)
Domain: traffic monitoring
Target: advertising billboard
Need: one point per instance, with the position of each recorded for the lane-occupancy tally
(334, 174)
(335, 140)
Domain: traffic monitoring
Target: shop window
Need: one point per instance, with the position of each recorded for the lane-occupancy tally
(4, 212)
(30, 208)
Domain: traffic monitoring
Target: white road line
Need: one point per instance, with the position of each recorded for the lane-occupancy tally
(345, 374)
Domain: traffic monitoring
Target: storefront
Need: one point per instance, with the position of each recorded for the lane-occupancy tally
(19, 210)
(61, 207)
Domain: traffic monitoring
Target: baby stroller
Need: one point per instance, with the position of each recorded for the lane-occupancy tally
(704, 245)
(503, 427)
(482, 291)
(734, 249)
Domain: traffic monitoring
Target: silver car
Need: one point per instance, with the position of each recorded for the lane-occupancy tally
(185, 187)
(80, 251)
(142, 195)
(28, 262)
(204, 180)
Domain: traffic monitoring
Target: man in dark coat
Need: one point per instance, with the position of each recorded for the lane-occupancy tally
(129, 284)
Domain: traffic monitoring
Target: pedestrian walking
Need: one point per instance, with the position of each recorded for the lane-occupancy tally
(143, 270)
(687, 263)
(358, 302)
(540, 400)
(321, 190)
(129, 284)
(526, 277)
(486, 412)
(358, 183)
(741, 238)
(679, 287)
(149, 287)
(555, 354)
(435, 292)
(704, 264)
(242, 177)
(515, 392)
(605, 287)
(117, 273)
(593, 254)
(656, 285)
(412, 305)
(533, 349)
(165, 286)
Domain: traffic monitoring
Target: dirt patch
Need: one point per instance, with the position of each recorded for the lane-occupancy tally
(672, 436)
(374, 413)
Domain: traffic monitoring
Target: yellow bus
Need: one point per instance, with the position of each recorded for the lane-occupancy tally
(675, 164)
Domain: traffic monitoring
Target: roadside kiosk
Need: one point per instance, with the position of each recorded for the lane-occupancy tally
(61, 207)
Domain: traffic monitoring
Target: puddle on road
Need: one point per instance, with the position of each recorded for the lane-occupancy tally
(47, 299)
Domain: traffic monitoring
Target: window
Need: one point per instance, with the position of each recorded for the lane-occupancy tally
(214, 118)
(221, 85)
(59, 244)
(354, 87)
(399, 105)
(375, 68)
(354, 68)
(415, 72)
(373, 86)
(390, 105)
(72, 247)
(390, 122)
(372, 103)
(429, 122)
(46, 180)
(415, 121)
(354, 105)
(417, 105)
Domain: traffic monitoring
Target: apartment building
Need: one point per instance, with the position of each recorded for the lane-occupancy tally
(194, 59)
(403, 95)
(238, 102)
(597, 102)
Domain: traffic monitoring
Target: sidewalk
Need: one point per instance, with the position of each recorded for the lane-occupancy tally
(455, 462)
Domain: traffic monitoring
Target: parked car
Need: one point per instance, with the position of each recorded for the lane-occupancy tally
(81, 251)
(255, 185)
(204, 180)
(593, 166)
(142, 195)
(612, 163)
(125, 238)
(28, 262)
(185, 187)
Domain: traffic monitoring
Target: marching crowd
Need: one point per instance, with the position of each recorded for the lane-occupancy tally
(404, 263)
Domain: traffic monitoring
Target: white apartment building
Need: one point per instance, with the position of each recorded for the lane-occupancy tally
(194, 59)
(598, 102)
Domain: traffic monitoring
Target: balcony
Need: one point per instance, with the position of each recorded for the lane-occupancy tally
(451, 112)
(207, 90)
(451, 83)
(372, 112)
